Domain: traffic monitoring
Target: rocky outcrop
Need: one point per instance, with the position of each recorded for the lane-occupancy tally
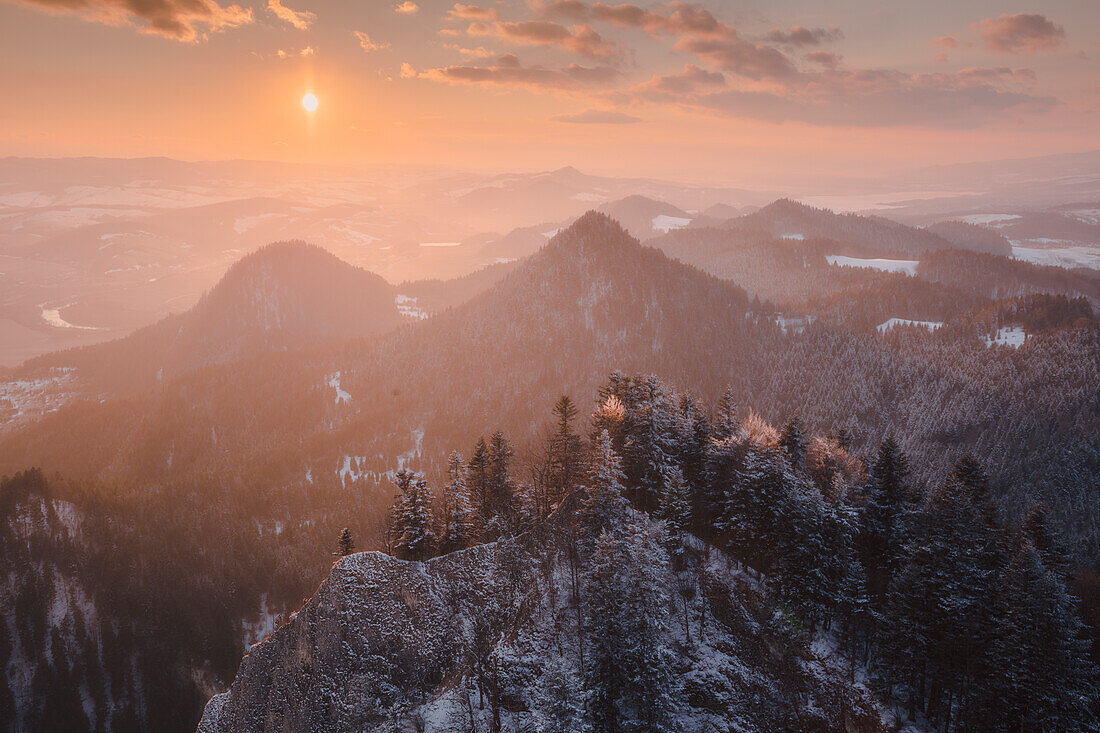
(385, 641)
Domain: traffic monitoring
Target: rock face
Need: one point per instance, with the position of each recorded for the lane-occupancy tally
(378, 631)
(386, 644)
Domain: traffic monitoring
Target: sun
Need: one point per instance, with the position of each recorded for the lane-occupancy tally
(309, 101)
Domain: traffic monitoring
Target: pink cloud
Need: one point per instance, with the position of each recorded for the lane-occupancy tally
(509, 72)
(1021, 33)
(180, 20)
(800, 36)
(300, 19)
(580, 39)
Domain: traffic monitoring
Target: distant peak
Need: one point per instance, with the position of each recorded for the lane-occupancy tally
(593, 231)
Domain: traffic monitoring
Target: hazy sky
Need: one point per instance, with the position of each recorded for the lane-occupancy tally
(719, 90)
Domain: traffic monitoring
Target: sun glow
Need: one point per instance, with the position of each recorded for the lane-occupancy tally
(309, 102)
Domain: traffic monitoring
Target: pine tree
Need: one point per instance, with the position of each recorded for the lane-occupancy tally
(726, 422)
(1040, 529)
(556, 700)
(883, 530)
(605, 506)
(347, 546)
(675, 509)
(566, 463)
(458, 521)
(649, 699)
(604, 675)
(478, 481)
(500, 490)
(752, 507)
(412, 532)
(1042, 678)
(793, 441)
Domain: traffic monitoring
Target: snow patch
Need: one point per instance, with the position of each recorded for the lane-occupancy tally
(1011, 336)
(666, 223)
(407, 306)
(342, 397)
(1066, 256)
(930, 325)
(909, 267)
(995, 220)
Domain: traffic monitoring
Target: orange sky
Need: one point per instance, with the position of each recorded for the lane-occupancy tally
(718, 91)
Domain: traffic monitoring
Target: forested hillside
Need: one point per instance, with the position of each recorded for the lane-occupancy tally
(679, 571)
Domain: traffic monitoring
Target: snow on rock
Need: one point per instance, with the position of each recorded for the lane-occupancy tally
(407, 306)
(909, 267)
(1011, 336)
(666, 223)
(342, 397)
(930, 325)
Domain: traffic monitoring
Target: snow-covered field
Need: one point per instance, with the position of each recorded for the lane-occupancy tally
(1072, 255)
(796, 237)
(666, 223)
(909, 267)
(991, 220)
(930, 325)
(1013, 336)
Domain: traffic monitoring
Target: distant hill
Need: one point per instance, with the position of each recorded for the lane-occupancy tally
(644, 217)
(284, 296)
(790, 219)
(971, 236)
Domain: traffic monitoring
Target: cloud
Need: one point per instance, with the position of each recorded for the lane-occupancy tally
(597, 117)
(882, 97)
(479, 53)
(407, 8)
(946, 42)
(407, 71)
(692, 79)
(473, 12)
(307, 51)
(732, 53)
(509, 72)
(181, 20)
(824, 58)
(799, 36)
(582, 40)
(1021, 33)
(300, 19)
(367, 44)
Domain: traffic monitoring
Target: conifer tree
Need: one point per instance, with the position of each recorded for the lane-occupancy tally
(1042, 678)
(478, 482)
(347, 546)
(726, 422)
(883, 530)
(458, 521)
(412, 532)
(793, 441)
(566, 462)
(500, 490)
(605, 506)
(675, 509)
(604, 675)
(557, 703)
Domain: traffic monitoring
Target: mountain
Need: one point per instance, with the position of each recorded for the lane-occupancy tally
(287, 295)
(971, 236)
(875, 235)
(645, 217)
